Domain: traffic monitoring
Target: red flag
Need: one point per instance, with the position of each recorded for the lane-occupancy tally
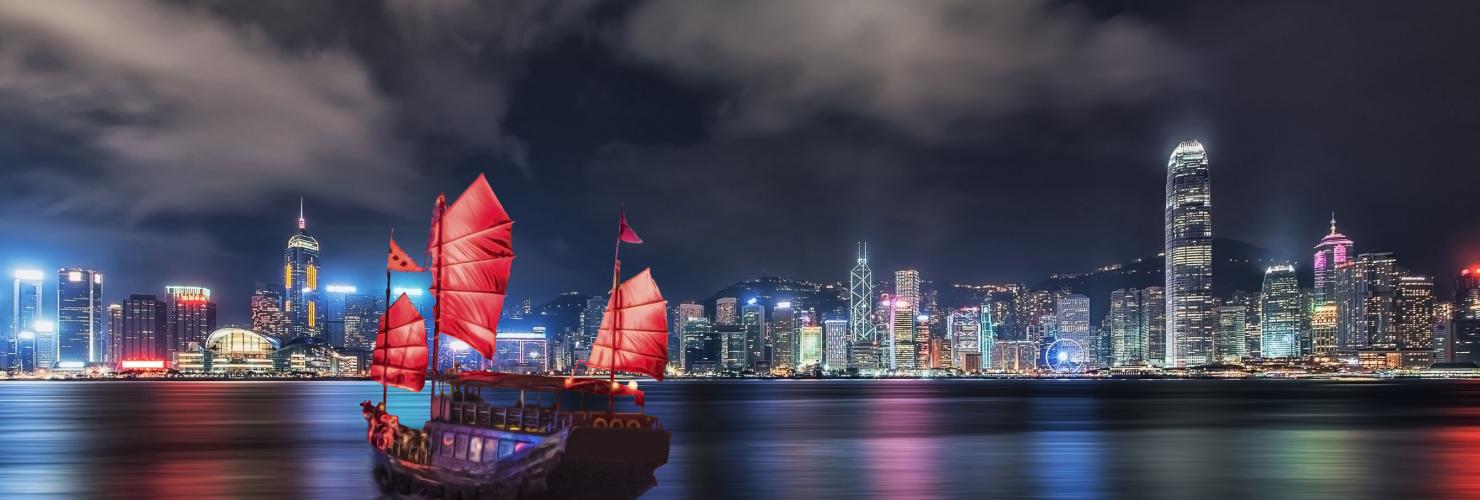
(625, 233)
(400, 262)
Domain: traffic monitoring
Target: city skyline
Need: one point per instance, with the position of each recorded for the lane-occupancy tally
(1006, 186)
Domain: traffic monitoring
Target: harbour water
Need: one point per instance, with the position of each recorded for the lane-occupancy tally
(1032, 439)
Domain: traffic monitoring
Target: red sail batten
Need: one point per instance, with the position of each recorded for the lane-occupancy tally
(400, 356)
(470, 265)
(639, 343)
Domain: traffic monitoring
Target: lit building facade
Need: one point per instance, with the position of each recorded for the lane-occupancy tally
(783, 336)
(837, 338)
(25, 311)
(700, 347)
(1229, 344)
(1366, 305)
(1154, 321)
(809, 347)
(1323, 329)
(1071, 320)
(734, 347)
(80, 316)
(190, 316)
(1126, 323)
(1333, 251)
(964, 336)
(903, 354)
(726, 311)
(1465, 324)
(301, 283)
(268, 315)
(907, 287)
(362, 313)
(861, 299)
(141, 336)
(1189, 256)
(1415, 313)
(1279, 318)
(757, 342)
(521, 352)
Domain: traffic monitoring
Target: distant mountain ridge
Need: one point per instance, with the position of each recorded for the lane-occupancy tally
(1237, 266)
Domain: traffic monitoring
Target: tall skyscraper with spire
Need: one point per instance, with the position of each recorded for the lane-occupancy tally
(1333, 250)
(1189, 257)
(301, 280)
(861, 298)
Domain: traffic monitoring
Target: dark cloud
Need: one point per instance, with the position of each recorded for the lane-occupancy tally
(183, 112)
(975, 140)
(926, 67)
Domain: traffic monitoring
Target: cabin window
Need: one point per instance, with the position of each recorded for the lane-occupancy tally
(490, 449)
(448, 440)
(462, 447)
(475, 449)
(505, 448)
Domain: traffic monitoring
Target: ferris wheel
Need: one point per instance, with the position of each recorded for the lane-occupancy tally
(1064, 356)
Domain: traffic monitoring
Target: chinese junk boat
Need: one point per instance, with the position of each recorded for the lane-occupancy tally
(473, 447)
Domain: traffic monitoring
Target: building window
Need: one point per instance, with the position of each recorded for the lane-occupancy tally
(505, 448)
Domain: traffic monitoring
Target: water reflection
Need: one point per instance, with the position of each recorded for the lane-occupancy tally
(793, 439)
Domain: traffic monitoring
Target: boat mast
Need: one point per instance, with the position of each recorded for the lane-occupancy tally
(616, 300)
(390, 249)
(437, 297)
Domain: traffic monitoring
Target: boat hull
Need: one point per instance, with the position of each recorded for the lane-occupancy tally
(582, 463)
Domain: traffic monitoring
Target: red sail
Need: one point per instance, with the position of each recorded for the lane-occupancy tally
(639, 343)
(400, 357)
(471, 249)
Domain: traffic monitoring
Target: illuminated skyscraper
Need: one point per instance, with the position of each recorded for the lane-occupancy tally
(190, 317)
(25, 311)
(964, 336)
(1126, 322)
(1279, 318)
(702, 349)
(903, 352)
(907, 287)
(726, 311)
(809, 347)
(1229, 344)
(268, 316)
(837, 338)
(301, 282)
(141, 335)
(1189, 256)
(783, 335)
(757, 342)
(115, 329)
(590, 322)
(1154, 319)
(1415, 314)
(1071, 320)
(1332, 251)
(861, 299)
(1465, 327)
(80, 335)
(1323, 329)
(1366, 302)
(362, 313)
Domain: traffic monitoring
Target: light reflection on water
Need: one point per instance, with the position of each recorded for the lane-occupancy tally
(793, 439)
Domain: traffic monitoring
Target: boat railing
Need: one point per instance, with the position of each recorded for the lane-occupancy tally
(536, 419)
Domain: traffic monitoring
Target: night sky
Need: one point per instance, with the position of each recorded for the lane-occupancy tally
(169, 142)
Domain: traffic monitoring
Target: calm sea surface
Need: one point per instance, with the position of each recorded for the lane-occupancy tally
(1050, 439)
